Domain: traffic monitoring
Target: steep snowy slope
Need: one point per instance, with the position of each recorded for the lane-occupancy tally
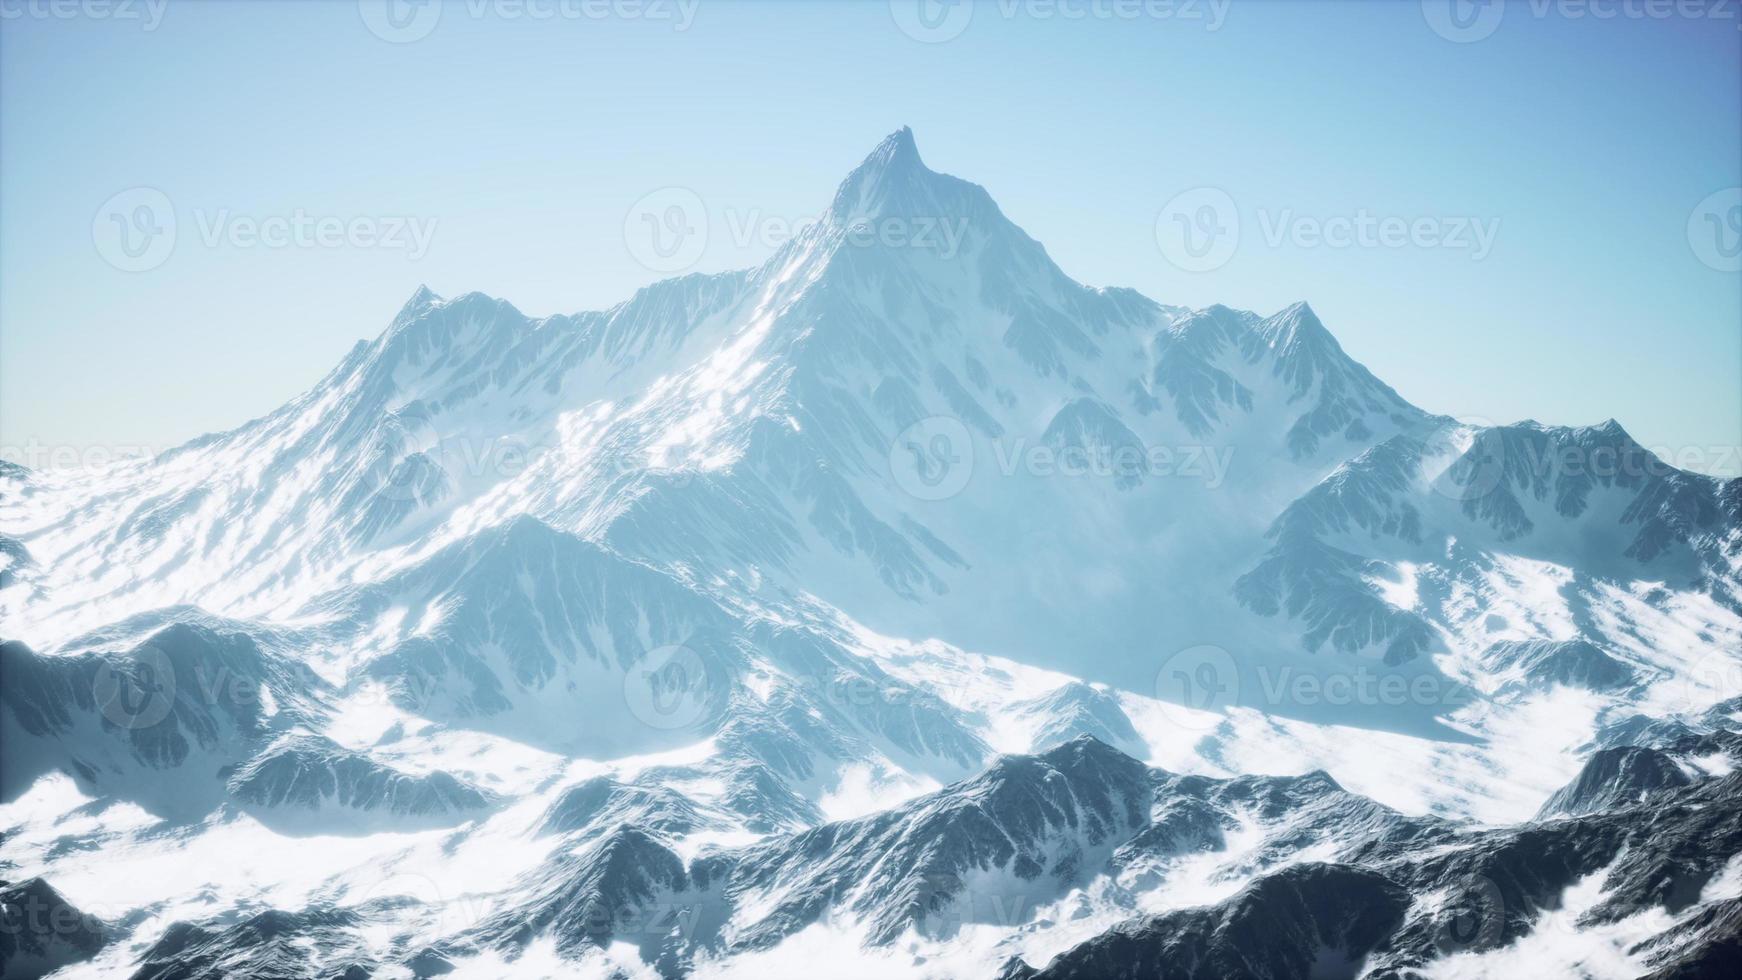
(763, 425)
(900, 600)
(873, 418)
(156, 724)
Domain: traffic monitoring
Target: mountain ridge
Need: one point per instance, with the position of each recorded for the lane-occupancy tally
(895, 598)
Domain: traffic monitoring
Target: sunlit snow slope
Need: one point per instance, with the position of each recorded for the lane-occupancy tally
(899, 601)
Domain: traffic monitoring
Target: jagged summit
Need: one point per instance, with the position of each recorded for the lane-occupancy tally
(707, 624)
(420, 300)
(897, 151)
(744, 422)
(894, 182)
(1297, 317)
(1297, 329)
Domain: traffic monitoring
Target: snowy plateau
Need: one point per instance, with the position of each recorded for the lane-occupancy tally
(899, 607)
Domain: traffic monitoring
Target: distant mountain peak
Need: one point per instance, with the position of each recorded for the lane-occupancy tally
(419, 302)
(1296, 323)
(893, 181)
(1613, 429)
(898, 149)
(689, 628)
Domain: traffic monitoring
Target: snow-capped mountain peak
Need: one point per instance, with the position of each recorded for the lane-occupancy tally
(708, 615)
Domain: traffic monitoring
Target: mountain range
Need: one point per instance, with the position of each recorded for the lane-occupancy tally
(897, 604)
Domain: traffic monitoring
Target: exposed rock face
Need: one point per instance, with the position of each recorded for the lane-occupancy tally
(1035, 822)
(1408, 893)
(1338, 886)
(686, 635)
(152, 723)
(312, 773)
(1616, 778)
(40, 931)
(602, 802)
(1309, 920)
(1575, 663)
(624, 887)
(269, 944)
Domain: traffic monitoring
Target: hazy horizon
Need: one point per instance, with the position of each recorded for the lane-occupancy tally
(1548, 201)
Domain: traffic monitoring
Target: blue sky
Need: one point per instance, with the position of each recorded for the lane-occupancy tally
(1585, 145)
